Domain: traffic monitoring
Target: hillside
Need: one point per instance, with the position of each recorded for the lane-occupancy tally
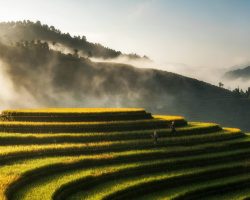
(243, 73)
(110, 154)
(25, 31)
(36, 75)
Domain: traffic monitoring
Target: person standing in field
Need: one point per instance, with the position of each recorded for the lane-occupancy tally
(172, 127)
(155, 137)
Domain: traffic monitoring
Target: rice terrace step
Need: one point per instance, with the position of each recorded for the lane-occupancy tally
(112, 153)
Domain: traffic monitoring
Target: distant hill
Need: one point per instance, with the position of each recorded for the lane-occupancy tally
(23, 31)
(43, 77)
(243, 73)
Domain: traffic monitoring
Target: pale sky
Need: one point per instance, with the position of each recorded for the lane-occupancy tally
(197, 33)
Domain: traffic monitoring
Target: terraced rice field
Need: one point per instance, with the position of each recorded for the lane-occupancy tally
(110, 154)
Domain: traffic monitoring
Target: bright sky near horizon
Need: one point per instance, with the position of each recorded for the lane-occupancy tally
(197, 33)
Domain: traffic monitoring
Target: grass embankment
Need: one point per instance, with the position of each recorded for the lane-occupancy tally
(73, 127)
(19, 151)
(109, 154)
(34, 138)
(74, 115)
(68, 111)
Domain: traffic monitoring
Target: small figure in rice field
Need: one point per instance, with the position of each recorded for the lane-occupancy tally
(155, 137)
(172, 127)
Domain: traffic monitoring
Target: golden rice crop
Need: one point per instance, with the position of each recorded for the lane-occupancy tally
(103, 153)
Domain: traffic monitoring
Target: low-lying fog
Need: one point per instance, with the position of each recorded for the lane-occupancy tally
(211, 75)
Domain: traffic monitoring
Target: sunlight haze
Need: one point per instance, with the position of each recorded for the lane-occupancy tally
(198, 34)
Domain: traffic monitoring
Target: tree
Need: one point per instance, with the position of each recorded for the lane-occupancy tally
(76, 52)
(89, 54)
(221, 84)
(236, 92)
(38, 23)
(248, 92)
(45, 45)
(84, 38)
(52, 28)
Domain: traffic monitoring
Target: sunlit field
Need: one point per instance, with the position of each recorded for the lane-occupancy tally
(77, 153)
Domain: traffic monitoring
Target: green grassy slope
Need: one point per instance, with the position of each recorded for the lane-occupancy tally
(62, 159)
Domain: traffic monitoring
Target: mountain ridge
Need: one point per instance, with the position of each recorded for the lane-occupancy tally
(243, 73)
(23, 31)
